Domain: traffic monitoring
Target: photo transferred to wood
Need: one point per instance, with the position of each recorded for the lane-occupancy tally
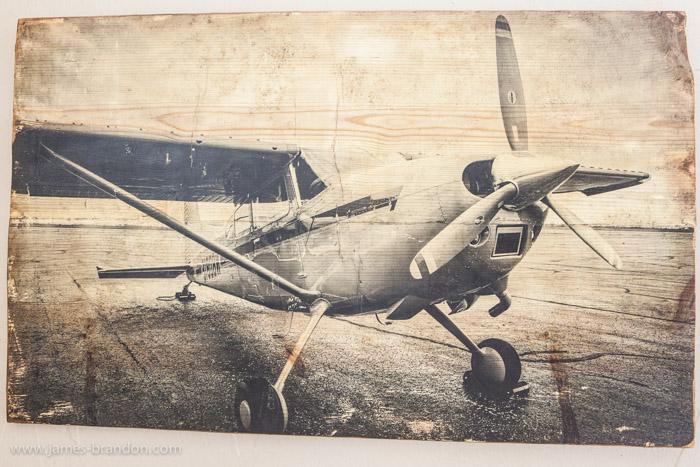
(410, 225)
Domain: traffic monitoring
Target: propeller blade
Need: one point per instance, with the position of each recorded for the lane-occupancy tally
(585, 233)
(535, 176)
(510, 87)
(459, 233)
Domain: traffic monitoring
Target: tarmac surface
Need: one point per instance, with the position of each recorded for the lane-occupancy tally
(608, 354)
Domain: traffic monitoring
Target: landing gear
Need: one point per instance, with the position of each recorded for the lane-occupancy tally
(185, 295)
(497, 367)
(495, 363)
(260, 406)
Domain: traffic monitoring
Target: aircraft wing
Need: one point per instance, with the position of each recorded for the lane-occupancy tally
(593, 181)
(143, 162)
(151, 165)
(217, 247)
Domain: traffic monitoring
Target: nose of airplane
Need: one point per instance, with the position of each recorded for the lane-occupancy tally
(534, 176)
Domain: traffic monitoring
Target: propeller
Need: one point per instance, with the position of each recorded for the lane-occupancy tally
(455, 237)
(585, 233)
(520, 178)
(510, 87)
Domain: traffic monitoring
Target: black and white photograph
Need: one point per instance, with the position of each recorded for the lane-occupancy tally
(410, 225)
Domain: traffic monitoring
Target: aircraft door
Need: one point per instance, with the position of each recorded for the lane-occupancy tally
(279, 248)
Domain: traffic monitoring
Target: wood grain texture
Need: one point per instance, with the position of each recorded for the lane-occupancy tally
(609, 354)
(604, 89)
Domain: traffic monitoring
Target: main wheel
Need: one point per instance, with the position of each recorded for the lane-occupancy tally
(259, 407)
(498, 369)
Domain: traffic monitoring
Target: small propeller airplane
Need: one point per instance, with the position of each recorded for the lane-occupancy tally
(403, 237)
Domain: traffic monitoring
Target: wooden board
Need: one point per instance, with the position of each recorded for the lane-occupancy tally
(609, 354)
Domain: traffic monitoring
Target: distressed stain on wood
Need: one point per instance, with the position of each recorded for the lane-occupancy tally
(606, 89)
(90, 371)
(179, 364)
(570, 434)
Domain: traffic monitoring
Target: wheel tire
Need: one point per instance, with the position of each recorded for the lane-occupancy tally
(499, 370)
(259, 407)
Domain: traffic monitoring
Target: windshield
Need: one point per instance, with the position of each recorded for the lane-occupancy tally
(276, 199)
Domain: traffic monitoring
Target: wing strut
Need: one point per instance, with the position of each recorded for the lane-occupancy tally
(222, 250)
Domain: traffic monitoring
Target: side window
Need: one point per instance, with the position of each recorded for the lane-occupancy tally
(273, 191)
(269, 203)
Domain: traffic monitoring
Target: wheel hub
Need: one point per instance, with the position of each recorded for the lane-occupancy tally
(260, 407)
(244, 414)
(489, 367)
(497, 366)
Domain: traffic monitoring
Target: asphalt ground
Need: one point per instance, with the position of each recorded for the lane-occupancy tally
(608, 354)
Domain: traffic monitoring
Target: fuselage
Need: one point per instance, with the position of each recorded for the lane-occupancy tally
(354, 241)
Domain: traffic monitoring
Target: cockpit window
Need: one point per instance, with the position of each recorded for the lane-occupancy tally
(268, 204)
(272, 191)
(273, 200)
(309, 183)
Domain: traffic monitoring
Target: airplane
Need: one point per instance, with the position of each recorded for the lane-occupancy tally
(403, 237)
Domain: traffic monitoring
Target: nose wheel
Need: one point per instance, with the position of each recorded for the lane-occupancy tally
(497, 367)
(495, 363)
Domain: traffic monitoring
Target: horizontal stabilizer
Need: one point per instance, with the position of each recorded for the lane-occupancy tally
(167, 272)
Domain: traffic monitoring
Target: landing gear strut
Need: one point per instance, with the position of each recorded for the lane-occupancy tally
(259, 405)
(495, 363)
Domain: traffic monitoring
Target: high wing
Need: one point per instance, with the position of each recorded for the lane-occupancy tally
(188, 167)
(217, 247)
(151, 165)
(593, 181)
